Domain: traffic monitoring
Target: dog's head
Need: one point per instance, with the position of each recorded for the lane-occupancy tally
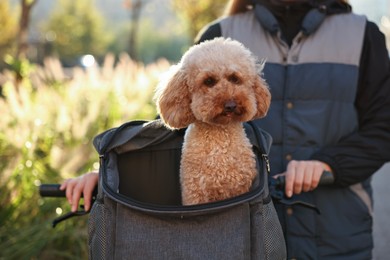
(216, 82)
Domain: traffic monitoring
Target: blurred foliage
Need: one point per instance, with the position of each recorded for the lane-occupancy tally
(156, 38)
(46, 132)
(50, 114)
(197, 13)
(8, 30)
(152, 44)
(21, 67)
(155, 44)
(77, 28)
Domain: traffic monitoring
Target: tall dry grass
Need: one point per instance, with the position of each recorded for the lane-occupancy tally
(47, 124)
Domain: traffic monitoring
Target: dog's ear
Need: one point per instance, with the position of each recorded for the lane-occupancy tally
(263, 97)
(173, 99)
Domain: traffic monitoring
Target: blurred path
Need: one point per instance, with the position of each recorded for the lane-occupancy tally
(381, 186)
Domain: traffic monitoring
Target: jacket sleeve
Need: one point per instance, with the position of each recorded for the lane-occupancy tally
(357, 156)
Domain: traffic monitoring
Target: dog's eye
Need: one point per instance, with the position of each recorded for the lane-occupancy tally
(234, 79)
(210, 82)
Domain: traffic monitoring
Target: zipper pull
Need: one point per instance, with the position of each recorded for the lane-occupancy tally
(267, 164)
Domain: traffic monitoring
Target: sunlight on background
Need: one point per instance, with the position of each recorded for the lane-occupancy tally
(377, 11)
(373, 9)
(50, 116)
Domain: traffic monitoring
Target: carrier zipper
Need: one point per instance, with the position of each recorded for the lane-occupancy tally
(180, 209)
(154, 208)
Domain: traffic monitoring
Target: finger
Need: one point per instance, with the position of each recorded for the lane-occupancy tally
(308, 177)
(76, 196)
(316, 177)
(88, 190)
(91, 183)
(64, 184)
(69, 191)
(289, 179)
(299, 177)
(87, 199)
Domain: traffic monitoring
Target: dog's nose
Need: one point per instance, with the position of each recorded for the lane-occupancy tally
(230, 106)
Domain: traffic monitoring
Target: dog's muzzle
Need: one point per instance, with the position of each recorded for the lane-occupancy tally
(230, 106)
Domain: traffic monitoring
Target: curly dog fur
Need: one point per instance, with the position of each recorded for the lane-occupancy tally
(212, 91)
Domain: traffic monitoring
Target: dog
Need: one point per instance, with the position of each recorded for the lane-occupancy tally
(214, 89)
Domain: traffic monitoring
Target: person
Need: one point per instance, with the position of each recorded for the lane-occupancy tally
(329, 75)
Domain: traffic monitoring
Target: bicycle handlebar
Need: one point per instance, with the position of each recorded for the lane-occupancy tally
(276, 189)
(327, 178)
(53, 190)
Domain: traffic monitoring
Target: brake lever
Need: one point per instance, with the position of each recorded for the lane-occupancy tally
(276, 189)
(69, 215)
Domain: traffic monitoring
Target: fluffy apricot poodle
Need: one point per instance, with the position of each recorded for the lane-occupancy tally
(212, 91)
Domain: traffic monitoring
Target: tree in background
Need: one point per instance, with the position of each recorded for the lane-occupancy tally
(159, 33)
(8, 30)
(197, 13)
(134, 7)
(22, 37)
(77, 28)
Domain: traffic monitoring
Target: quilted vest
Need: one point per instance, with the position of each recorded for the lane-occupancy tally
(313, 85)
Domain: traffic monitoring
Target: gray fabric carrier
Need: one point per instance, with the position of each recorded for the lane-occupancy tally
(138, 212)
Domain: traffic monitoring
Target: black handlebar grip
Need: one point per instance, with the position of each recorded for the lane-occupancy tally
(327, 178)
(51, 190)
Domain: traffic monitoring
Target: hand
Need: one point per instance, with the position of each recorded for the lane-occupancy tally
(85, 184)
(303, 176)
